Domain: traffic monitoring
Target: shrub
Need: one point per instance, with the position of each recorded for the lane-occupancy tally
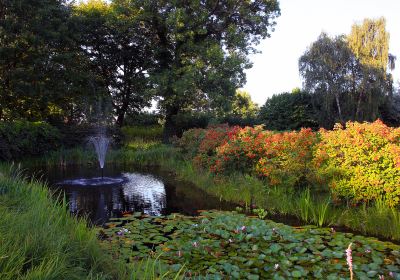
(361, 162)
(288, 157)
(143, 119)
(214, 137)
(281, 158)
(242, 151)
(20, 138)
(190, 141)
(184, 121)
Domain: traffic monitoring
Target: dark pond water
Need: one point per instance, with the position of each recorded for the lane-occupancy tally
(126, 189)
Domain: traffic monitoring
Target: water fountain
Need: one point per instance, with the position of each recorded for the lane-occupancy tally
(100, 143)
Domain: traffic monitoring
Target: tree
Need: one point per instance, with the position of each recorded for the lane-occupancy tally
(243, 106)
(202, 48)
(119, 48)
(330, 71)
(369, 42)
(289, 111)
(42, 71)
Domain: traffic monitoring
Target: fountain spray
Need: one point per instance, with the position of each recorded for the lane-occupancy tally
(100, 143)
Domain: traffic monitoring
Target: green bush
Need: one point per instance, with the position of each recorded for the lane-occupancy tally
(143, 119)
(21, 138)
(289, 111)
(190, 141)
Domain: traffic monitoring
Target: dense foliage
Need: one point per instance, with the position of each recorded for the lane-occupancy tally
(58, 57)
(27, 139)
(202, 49)
(43, 73)
(117, 45)
(289, 111)
(359, 163)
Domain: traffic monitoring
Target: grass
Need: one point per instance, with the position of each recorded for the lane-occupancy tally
(133, 133)
(39, 239)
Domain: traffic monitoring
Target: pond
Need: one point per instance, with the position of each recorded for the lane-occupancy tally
(124, 190)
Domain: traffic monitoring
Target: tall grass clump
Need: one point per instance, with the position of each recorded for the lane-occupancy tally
(376, 219)
(39, 239)
(153, 269)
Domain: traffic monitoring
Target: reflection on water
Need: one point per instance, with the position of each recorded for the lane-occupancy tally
(145, 190)
(124, 189)
(95, 181)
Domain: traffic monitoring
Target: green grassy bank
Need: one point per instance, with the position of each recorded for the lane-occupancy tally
(308, 206)
(39, 239)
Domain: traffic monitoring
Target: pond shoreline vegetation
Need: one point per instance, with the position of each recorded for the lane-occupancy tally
(39, 239)
(307, 204)
(313, 173)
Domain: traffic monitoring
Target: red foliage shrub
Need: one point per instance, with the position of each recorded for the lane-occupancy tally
(281, 158)
(214, 137)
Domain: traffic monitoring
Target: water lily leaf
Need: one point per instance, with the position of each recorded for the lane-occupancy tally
(275, 247)
(372, 273)
(296, 274)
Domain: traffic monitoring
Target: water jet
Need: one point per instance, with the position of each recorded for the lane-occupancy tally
(100, 143)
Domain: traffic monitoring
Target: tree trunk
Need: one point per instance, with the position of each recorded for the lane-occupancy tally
(339, 108)
(121, 111)
(357, 117)
(170, 129)
(120, 118)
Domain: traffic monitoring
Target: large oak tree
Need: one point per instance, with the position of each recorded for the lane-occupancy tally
(202, 48)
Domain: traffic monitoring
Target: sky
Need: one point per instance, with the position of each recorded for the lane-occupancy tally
(275, 70)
